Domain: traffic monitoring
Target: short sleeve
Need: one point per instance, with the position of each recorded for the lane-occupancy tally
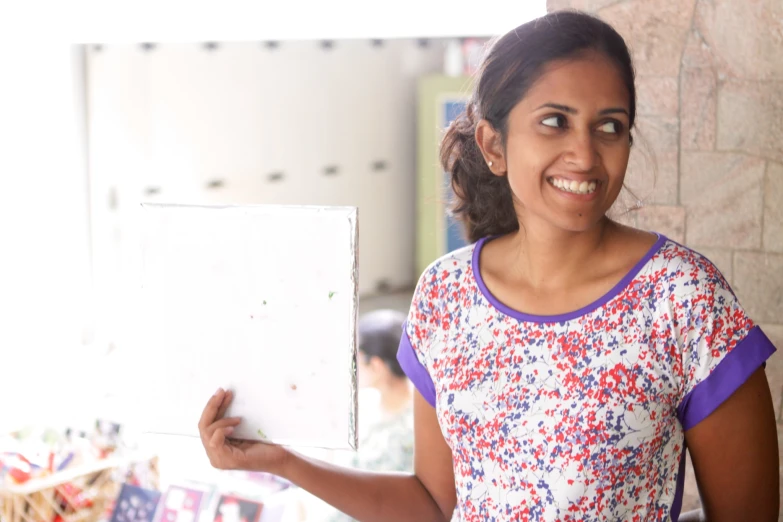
(414, 340)
(721, 347)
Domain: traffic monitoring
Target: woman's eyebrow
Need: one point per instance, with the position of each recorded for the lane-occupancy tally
(614, 110)
(571, 110)
(558, 107)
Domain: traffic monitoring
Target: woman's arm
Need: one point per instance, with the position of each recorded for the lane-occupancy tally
(427, 495)
(735, 456)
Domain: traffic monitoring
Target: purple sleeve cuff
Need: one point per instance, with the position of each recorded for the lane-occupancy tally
(415, 371)
(731, 373)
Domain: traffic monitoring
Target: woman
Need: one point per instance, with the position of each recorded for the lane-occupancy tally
(563, 362)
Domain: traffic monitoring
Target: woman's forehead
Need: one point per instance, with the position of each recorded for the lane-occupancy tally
(587, 81)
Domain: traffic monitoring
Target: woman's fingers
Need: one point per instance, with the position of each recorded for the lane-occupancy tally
(228, 396)
(215, 429)
(229, 422)
(218, 438)
(210, 413)
(219, 451)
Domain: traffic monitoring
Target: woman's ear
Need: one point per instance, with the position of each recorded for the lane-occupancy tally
(491, 144)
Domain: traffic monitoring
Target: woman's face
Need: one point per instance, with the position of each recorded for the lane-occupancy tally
(568, 144)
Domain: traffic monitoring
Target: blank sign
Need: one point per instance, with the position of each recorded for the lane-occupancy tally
(261, 300)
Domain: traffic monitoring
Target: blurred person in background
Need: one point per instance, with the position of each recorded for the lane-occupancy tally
(385, 411)
(386, 415)
(387, 442)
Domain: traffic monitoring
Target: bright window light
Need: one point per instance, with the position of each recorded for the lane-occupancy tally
(92, 21)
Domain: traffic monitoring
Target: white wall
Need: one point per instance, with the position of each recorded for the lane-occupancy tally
(45, 285)
(178, 116)
(44, 234)
(237, 20)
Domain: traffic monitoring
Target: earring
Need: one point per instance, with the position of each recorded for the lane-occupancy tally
(490, 163)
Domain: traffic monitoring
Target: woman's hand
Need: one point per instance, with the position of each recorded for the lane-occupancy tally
(363, 495)
(227, 453)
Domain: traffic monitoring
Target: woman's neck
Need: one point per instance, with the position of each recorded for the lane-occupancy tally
(545, 257)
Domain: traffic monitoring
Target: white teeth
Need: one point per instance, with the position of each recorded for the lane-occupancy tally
(575, 187)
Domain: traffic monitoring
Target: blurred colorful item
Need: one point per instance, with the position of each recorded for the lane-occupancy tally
(49, 475)
(77, 494)
(266, 482)
(33, 453)
(473, 50)
(140, 473)
(16, 468)
(181, 504)
(73, 498)
(235, 509)
(135, 504)
(106, 438)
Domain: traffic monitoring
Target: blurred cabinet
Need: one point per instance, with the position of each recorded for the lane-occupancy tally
(440, 100)
(304, 122)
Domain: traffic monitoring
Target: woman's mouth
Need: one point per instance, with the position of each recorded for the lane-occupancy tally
(572, 186)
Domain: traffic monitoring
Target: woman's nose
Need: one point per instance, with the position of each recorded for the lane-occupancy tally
(581, 154)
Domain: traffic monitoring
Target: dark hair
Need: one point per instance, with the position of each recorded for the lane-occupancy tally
(379, 336)
(483, 201)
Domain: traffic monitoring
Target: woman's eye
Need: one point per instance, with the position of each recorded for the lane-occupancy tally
(557, 121)
(610, 127)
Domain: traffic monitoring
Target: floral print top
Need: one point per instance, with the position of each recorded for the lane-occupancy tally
(579, 416)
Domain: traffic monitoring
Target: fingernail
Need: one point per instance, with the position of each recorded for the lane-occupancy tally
(219, 391)
(229, 430)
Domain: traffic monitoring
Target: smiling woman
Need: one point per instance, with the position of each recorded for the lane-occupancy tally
(523, 115)
(563, 362)
(579, 142)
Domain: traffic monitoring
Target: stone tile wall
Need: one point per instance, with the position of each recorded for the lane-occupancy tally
(710, 89)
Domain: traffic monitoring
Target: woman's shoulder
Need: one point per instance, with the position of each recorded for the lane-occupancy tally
(679, 271)
(683, 260)
(657, 250)
(449, 268)
(666, 267)
(445, 278)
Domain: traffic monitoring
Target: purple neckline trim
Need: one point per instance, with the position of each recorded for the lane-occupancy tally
(531, 318)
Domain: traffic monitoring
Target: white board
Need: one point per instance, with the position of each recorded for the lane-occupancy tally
(261, 300)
